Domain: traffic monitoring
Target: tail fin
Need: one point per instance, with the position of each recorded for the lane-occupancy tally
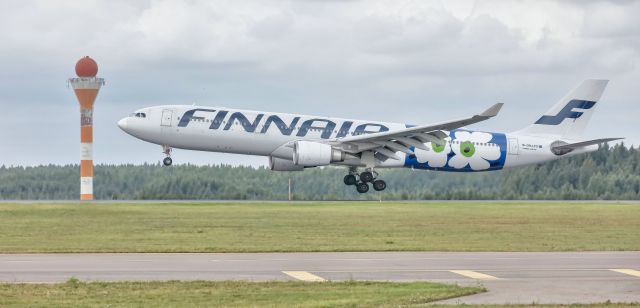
(568, 117)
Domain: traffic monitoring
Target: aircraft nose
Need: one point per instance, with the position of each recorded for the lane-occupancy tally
(123, 124)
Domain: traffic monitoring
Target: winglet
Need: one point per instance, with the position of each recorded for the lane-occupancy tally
(492, 111)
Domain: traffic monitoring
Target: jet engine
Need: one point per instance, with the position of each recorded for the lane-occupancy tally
(309, 153)
(279, 164)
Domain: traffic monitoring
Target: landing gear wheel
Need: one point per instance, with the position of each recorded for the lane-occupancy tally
(167, 152)
(167, 161)
(366, 176)
(379, 185)
(362, 187)
(350, 179)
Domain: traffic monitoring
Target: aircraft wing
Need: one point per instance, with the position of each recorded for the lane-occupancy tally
(389, 142)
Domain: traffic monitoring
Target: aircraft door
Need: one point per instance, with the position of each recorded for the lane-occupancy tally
(167, 115)
(513, 146)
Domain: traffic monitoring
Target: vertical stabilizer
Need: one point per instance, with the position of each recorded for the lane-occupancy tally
(569, 116)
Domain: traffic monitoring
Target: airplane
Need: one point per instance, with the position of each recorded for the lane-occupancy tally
(293, 142)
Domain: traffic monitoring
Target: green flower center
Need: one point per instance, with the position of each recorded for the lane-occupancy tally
(437, 148)
(467, 149)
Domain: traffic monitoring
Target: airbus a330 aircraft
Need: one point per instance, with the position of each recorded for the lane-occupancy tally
(293, 142)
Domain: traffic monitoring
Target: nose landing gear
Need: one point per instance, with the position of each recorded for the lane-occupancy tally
(167, 161)
(361, 180)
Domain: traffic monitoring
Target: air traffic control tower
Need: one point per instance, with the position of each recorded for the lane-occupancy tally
(86, 87)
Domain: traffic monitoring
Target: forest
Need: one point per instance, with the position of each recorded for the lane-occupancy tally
(610, 173)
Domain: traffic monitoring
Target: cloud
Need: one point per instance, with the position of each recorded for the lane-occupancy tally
(429, 59)
(311, 35)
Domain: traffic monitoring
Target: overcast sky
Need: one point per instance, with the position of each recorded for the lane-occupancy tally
(405, 61)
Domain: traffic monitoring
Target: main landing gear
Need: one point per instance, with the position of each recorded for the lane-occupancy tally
(361, 180)
(167, 161)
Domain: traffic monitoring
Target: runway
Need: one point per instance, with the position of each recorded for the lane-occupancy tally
(510, 277)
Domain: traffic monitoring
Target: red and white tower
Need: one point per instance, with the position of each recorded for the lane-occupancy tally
(86, 87)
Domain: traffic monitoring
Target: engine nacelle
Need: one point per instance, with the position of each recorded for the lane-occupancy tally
(309, 153)
(279, 164)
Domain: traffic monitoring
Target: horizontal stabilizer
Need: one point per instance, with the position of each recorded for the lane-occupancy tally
(573, 146)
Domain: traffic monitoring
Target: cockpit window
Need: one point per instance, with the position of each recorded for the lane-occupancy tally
(139, 115)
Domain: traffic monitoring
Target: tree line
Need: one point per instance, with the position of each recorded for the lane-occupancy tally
(610, 173)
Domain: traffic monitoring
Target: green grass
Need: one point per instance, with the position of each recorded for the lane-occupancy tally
(75, 293)
(605, 304)
(331, 226)
(228, 293)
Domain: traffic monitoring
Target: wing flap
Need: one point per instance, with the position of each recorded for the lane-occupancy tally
(394, 146)
(387, 153)
(408, 141)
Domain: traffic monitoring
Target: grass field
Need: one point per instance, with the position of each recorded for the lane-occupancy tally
(241, 294)
(228, 293)
(331, 226)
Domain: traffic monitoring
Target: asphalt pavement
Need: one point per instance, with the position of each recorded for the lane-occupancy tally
(510, 277)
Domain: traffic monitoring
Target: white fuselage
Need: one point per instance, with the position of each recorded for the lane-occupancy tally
(225, 130)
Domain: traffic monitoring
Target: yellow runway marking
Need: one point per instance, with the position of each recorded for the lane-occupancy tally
(627, 271)
(304, 276)
(474, 275)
